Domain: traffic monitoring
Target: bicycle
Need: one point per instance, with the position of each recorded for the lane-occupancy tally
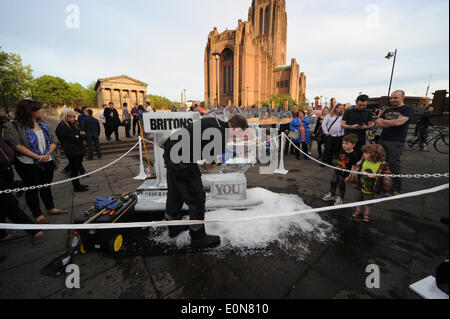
(439, 139)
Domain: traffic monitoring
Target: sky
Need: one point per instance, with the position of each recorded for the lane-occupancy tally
(340, 44)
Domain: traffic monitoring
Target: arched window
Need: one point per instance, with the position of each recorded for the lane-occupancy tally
(261, 20)
(230, 79)
(266, 21)
(225, 82)
(274, 20)
(227, 72)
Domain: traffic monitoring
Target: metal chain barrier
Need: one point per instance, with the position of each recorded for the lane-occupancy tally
(405, 176)
(24, 189)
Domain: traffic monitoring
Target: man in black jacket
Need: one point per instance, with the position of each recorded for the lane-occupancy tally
(112, 122)
(358, 121)
(184, 177)
(91, 127)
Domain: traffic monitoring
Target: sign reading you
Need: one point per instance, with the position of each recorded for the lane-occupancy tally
(166, 122)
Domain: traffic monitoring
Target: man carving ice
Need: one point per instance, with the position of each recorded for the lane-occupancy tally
(182, 151)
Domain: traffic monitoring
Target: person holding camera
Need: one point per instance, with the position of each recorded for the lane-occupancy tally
(71, 139)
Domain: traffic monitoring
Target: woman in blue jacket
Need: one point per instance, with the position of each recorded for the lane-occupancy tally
(300, 125)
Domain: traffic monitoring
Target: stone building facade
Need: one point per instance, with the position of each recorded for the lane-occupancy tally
(252, 65)
(119, 90)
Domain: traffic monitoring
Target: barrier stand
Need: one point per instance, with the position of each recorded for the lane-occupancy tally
(142, 175)
(281, 170)
(151, 176)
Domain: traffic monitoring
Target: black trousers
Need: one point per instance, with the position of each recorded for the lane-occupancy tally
(93, 142)
(422, 136)
(112, 129)
(32, 175)
(185, 187)
(76, 164)
(136, 124)
(332, 145)
(319, 148)
(127, 128)
(304, 149)
(9, 207)
(394, 151)
(338, 181)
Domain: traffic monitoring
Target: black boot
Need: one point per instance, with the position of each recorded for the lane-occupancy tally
(78, 188)
(174, 231)
(200, 240)
(81, 190)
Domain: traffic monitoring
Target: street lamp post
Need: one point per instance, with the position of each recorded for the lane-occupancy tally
(216, 54)
(389, 56)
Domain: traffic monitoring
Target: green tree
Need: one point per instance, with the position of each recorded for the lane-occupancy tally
(76, 95)
(15, 78)
(160, 102)
(91, 94)
(52, 90)
(279, 101)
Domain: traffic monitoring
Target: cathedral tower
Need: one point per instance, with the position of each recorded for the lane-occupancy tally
(246, 66)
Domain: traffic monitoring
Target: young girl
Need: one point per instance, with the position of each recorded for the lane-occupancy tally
(373, 162)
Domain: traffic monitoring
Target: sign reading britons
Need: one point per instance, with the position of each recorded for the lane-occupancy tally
(166, 122)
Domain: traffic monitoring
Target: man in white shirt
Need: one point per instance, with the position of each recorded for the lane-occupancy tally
(333, 132)
(148, 107)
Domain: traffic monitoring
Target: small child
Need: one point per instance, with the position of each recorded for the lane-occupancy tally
(270, 144)
(348, 158)
(374, 162)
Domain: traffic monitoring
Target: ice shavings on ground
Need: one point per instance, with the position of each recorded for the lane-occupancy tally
(292, 234)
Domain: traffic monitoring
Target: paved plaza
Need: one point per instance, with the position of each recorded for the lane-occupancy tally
(406, 239)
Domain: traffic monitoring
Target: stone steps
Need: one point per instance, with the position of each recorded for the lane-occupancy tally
(119, 148)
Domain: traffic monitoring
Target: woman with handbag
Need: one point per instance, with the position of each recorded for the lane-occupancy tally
(300, 134)
(71, 140)
(34, 144)
(333, 133)
(318, 132)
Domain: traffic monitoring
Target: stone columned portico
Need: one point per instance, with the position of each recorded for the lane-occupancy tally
(121, 89)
